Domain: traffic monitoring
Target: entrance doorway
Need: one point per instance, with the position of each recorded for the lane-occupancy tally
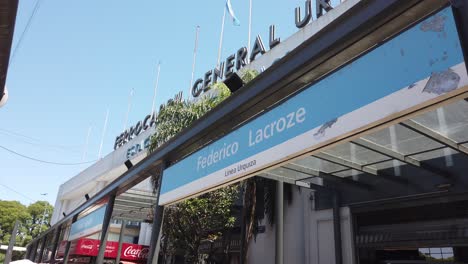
(432, 233)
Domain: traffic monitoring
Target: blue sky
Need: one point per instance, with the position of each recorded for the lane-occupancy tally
(80, 58)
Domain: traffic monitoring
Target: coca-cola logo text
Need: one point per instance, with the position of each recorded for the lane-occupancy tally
(87, 247)
(141, 253)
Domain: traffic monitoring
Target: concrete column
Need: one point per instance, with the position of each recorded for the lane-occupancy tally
(67, 247)
(337, 228)
(105, 228)
(157, 223)
(121, 236)
(9, 252)
(43, 246)
(279, 222)
(55, 244)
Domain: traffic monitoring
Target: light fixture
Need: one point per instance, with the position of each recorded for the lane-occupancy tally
(234, 82)
(129, 164)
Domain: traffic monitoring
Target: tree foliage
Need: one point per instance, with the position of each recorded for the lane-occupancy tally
(30, 219)
(41, 213)
(206, 217)
(176, 116)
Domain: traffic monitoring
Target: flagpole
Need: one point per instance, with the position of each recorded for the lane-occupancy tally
(194, 59)
(129, 107)
(103, 134)
(250, 26)
(221, 38)
(156, 87)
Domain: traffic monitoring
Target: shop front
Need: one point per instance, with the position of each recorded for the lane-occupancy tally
(85, 250)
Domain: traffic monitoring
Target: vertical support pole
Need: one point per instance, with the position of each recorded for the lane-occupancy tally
(28, 252)
(38, 250)
(279, 222)
(460, 13)
(105, 228)
(122, 233)
(67, 253)
(67, 247)
(157, 223)
(55, 243)
(337, 228)
(9, 252)
(41, 253)
(34, 251)
(242, 237)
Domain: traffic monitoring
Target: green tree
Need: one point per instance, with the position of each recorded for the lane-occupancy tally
(30, 219)
(40, 214)
(176, 116)
(206, 217)
(10, 211)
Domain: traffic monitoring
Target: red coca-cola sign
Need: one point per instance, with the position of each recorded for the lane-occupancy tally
(90, 247)
(135, 252)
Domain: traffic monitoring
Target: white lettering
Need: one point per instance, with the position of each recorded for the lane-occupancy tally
(141, 253)
(282, 121)
(217, 155)
(281, 124)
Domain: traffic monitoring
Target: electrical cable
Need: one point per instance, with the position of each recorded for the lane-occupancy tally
(70, 149)
(44, 161)
(26, 28)
(37, 142)
(6, 131)
(13, 190)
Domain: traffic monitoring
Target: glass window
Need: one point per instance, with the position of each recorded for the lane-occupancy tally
(347, 173)
(355, 154)
(450, 121)
(437, 253)
(319, 164)
(291, 174)
(434, 154)
(402, 140)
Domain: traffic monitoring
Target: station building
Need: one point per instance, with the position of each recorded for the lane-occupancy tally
(364, 111)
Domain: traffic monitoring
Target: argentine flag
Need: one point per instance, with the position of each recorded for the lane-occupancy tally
(235, 21)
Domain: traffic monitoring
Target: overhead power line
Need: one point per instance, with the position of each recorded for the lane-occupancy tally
(15, 191)
(26, 28)
(8, 132)
(36, 142)
(42, 145)
(44, 161)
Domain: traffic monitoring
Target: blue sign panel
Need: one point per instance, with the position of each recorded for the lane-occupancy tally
(86, 225)
(425, 52)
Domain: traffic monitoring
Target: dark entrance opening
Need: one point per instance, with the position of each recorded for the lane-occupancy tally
(431, 233)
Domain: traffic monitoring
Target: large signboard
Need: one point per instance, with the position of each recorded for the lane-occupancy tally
(412, 68)
(90, 247)
(88, 224)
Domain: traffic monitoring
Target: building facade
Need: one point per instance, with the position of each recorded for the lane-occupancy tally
(360, 119)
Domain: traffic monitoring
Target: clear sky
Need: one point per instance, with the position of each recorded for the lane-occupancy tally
(79, 58)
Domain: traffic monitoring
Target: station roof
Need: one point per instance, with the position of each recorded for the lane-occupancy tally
(8, 10)
(426, 153)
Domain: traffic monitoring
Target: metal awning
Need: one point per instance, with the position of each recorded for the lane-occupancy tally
(134, 205)
(423, 154)
(8, 10)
